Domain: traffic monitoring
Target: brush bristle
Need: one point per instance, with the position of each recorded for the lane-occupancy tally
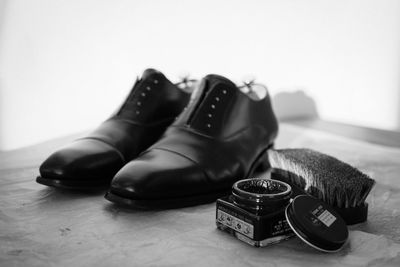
(322, 176)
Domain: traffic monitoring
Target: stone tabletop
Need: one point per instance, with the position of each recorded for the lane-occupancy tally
(41, 226)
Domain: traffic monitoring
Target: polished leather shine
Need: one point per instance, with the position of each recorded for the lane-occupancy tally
(149, 109)
(220, 138)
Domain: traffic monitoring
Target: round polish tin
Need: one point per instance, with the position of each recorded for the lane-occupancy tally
(316, 223)
(261, 196)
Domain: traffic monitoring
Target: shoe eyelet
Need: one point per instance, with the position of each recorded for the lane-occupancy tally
(213, 106)
(137, 112)
(143, 94)
(139, 103)
(217, 98)
(224, 92)
(148, 88)
(209, 115)
(208, 125)
(155, 81)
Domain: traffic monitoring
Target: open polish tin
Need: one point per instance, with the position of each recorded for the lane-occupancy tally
(261, 212)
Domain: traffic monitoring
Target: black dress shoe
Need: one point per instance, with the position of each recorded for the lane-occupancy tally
(92, 161)
(222, 136)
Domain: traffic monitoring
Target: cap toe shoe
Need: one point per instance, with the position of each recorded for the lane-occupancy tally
(92, 161)
(221, 137)
(83, 162)
(157, 174)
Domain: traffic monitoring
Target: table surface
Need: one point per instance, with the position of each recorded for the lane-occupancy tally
(41, 226)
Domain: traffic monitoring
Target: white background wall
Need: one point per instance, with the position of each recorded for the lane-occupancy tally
(66, 65)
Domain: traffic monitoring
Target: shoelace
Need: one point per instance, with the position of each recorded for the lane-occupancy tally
(254, 90)
(186, 81)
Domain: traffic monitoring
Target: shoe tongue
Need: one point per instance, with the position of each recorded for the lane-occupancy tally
(214, 79)
(150, 72)
(209, 82)
(149, 75)
(201, 93)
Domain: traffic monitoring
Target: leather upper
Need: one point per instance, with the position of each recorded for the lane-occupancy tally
(213, 143)
(151, 106)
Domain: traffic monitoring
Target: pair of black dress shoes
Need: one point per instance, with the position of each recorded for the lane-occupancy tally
(168, 147)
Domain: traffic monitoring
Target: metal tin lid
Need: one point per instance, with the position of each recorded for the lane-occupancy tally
(316, 223)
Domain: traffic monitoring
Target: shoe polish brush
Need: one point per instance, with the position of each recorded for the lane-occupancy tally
(334, 182)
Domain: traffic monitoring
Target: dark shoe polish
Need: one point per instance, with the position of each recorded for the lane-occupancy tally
(255, 212)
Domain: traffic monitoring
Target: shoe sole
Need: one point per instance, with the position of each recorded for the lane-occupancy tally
(72, 184)
(260, 164)
(165, 203)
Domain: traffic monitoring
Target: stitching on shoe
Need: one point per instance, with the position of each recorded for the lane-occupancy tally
(177, 153)
(153, 124)
(104, 142)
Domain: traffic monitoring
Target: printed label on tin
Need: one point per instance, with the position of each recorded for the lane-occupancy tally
(236, 224)
(324, 216)
(280, 227)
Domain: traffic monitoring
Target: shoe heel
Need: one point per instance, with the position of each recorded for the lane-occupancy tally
(263, 161)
